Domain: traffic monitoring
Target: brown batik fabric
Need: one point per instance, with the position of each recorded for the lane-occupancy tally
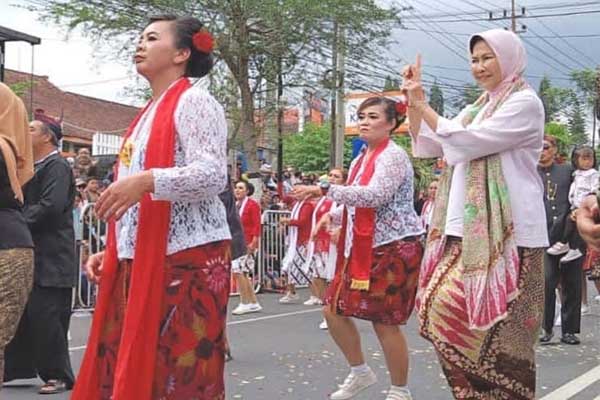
(496, 364)
(16, 279)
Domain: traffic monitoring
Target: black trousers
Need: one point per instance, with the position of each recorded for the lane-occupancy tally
(569, 276)
(40, 346)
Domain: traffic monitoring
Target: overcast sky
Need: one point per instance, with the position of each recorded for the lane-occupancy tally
(71, 65)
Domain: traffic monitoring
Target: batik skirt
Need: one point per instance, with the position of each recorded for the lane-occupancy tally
(498, 363)
(392, 285)
(191, 354)
(296, 269)
(16, 280)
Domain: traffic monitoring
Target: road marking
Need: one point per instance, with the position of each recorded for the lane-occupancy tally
(244, 321)
(575, 386)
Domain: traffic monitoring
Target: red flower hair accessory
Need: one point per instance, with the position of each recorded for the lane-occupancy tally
(203, 41)
(402, 106)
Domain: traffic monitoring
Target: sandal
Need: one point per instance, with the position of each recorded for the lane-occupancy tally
(53, 386)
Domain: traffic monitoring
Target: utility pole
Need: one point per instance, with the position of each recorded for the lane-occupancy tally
(334, 84)
(513, 17)
(341, 112)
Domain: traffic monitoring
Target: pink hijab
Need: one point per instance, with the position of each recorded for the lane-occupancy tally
(510, 52)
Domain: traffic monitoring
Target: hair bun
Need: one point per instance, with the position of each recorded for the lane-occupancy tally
(203, 41)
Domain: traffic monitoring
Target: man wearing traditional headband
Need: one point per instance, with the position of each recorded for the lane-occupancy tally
(40, 347)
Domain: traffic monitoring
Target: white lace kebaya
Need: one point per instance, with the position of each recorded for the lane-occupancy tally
(192, 186)
(390, 192)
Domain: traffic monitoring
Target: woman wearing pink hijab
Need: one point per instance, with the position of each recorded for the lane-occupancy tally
(481, 287)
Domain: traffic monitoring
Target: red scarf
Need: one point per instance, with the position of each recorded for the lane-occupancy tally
(134, 373)
(361, 256)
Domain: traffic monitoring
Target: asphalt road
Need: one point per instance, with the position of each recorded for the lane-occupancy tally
(281, 354)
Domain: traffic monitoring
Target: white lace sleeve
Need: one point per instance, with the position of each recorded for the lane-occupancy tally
(390, 170)
(202, 134)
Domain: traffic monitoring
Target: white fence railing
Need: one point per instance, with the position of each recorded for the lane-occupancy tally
(267, 274)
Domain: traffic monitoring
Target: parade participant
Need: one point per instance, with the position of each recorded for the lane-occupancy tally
(238, 242)
(16, 244)
(557, 180)
(429, 204)
(380, 251)
(158, 328)
(40, 346)
(243, 266)
(324, 237)
(293, 264)
(481, 290)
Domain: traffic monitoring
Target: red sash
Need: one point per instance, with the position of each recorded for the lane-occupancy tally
(361, 256)
(134, 373)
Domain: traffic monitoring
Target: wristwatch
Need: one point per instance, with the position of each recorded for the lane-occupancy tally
(324, 185)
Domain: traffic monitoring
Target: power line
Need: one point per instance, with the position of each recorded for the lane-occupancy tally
(563, 14)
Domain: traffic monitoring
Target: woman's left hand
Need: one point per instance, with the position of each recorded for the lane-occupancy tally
(411, 80)
(123, 194)
(303, 192)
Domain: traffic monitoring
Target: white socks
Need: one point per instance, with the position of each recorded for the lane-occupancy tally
(399, 390)
(360, 369)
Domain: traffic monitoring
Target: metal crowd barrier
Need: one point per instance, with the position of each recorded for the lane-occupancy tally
(266, 276)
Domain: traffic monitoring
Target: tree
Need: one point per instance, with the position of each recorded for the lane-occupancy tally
(436, 98)
(308, 151)
(256, 39)
(470, 94)
(391, 84)
(576, 123)
(585, 80)
(555, 100)
(561, 133)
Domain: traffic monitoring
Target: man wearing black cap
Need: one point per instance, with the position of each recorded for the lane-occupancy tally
(40, 347)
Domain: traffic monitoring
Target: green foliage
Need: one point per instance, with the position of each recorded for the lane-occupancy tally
(308, 151)
(436, 98)
(423, 167)
(20, 88)
(470, 94)
(585, 80)
(555, 100)
(562, 135)
(577, 123)
(391, 84)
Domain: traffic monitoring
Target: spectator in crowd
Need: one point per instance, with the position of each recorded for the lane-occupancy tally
(40, 347)
(92, 190)
(16, 244)
(85, 166)
(557, 180)
(80, 185)
(429, 204)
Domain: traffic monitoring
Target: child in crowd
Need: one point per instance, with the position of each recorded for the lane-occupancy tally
(585, 180)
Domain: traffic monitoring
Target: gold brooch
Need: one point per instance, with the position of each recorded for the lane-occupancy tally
(126, 153)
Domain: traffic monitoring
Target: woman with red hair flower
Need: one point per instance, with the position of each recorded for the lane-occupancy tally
(158, 329)
(379, 252)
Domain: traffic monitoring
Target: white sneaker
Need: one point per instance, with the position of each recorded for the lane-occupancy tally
(571, 256)
(289, 298)
(323, 325)
(558, 248)
(597, 299)
(353, 385)
(585, 309)
(246, 309)
(313, 301)
(398, 396)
